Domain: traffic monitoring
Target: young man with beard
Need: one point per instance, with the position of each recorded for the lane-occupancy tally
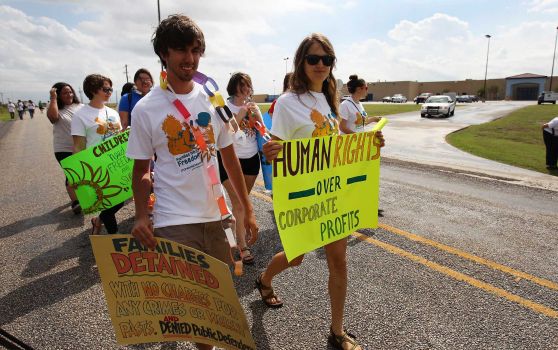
(185, 210)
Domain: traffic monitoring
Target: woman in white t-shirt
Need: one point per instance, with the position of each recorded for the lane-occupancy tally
(246, 114)
(63, 104)
(309, 109)
(352, 112)
(92, 124)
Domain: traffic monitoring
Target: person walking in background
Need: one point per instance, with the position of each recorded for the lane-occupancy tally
(92, 124)
(352, 112)
(550, 137)
(143, 82)
(309, 110)
(63, 104)
(246, 113)
(20, 109)
(11, 109)
(186, 210)
(31, 108)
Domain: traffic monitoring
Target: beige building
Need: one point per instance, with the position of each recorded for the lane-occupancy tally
(525, 86)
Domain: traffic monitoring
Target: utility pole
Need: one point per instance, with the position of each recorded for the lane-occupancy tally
(553, 58)
(286, 59)
(80, 95)
(126, 71)
(486, 68)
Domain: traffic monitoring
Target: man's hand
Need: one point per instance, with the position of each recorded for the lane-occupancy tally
(271, 149)
(251, 227)
(143, 232)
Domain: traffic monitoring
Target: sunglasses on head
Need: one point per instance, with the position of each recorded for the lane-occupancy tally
(313, 60)
(107, 90)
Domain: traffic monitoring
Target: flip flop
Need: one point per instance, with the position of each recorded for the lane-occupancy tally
(248, 258)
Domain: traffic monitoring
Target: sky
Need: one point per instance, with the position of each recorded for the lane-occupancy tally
(46, 41)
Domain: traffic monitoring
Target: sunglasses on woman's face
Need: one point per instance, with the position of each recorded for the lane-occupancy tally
(313, 60)
(107, 90)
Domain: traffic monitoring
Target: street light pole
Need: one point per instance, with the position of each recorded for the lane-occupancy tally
(274, 88)
(553, 58)
(486, 68)
(286, 59)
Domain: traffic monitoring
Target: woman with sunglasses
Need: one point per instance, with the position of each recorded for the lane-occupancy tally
(60, 112)
(352, 113)
(93, 123)
(246, 114)
(309, 110)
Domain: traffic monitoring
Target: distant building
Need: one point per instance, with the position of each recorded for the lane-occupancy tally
(526, 86)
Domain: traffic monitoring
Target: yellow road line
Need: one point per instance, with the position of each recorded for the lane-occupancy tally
(452, 273)
(460, 276)
(492, 264)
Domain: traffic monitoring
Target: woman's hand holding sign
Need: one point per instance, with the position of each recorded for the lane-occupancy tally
(272, 148)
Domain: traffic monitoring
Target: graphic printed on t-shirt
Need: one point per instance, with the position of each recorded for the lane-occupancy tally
(181, 142)
(324, 124)
(246, 126)
(108, 126)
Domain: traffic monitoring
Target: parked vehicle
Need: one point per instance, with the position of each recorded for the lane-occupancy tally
(398, 98)
(464, 98)
(386, 99)
(474, 98)
(548, 97)
(422, 97)
(436, 106)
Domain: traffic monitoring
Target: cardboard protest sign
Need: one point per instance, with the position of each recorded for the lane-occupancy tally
(324, 188)
(101, 174)
(172, 293)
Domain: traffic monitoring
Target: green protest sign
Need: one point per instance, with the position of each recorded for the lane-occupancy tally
(324, 188)
(101, 174)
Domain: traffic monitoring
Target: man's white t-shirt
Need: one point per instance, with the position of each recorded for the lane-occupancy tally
(303, 116)
(95, 124)
(62, 130)
(553, 124)
(11, 107)
(181, 183)
(354, 113)
(20, 106)
(246, 147)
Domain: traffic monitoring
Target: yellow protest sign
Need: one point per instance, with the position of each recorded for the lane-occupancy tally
(172, 293)
(324, 188)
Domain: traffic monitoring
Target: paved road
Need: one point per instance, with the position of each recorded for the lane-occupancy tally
(422, 140)
(458, 262)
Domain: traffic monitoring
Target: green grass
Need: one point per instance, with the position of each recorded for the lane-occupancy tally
(4, 115)
(387, 109)
(264, 107)
(515, 139)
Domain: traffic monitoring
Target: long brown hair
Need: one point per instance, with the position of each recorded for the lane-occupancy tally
(299, 82)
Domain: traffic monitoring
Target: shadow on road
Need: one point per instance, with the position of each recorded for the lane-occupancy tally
(50, 289)
(65, 221)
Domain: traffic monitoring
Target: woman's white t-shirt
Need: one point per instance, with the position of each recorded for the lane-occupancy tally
(354, 113)
(246, 147)
(95, 124)
(181, 184)
(62, 130)
(303, 116)
(553, 124)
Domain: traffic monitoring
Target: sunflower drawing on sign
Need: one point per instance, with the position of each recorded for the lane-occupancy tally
(93, 187)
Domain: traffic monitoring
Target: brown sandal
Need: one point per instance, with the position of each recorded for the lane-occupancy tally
(269, 295)
(248, 258)
(337, 340)
(96, 225)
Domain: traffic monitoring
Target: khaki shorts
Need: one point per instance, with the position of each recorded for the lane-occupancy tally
(208, 237)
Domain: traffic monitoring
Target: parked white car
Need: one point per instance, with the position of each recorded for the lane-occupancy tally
(436, 106)
(398, 98)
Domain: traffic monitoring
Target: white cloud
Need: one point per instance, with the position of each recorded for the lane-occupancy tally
(250, 36)
(549, 6)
